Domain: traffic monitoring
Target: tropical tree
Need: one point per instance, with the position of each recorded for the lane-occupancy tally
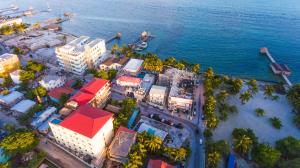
(34, 66)
(260, 112)
(265, 155)
(294, 163)
(293, 96)
(10, 128)
(102, 74)
(245, 97)
(196, 68)
(276, 122)
(112, 73)
(209, 73)
(153, 63)
(170, 61)
(289, 147)
(243, 144)
(40, 91)
(180, 65)
(153, 144)
(269, 89)
(63, 98)
(222, 96)
(26, 76)
(114, 48)
(19, 142)
(252, 84)
(213, 159)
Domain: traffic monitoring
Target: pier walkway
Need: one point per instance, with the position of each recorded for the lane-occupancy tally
(266, 52)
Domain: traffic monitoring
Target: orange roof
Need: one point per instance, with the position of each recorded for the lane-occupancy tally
(158, 164)
(86, 120)
(56, 92)
(129, 79)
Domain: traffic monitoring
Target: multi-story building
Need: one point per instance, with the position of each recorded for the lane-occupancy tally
(114, 63)
(8, 63)
(52, 81)
(96, 92)
(10, 21)
(81, 54)
(157, 95)
(87, 130)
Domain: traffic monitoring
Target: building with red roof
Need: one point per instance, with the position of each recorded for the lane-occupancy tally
(88, 130)
(129, 81)
(158, 164)
(55, 93)
(95, 92)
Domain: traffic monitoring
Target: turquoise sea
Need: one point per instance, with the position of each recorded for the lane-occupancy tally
(224, 34)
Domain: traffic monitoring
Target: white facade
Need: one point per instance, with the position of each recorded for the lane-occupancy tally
(10, 22)
(94, 146)
(52, 81)
(157, 95)
(15, 76)
(81, 54)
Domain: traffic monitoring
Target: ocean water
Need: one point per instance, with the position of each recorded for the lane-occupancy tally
(223, 34)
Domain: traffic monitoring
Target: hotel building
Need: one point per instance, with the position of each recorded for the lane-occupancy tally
(81, 54)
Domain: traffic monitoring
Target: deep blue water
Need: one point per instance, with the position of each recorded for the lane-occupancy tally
(224, 34)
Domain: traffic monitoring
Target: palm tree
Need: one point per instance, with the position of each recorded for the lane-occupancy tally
(222, 96)
(243, 144)
(269, 89)
(153, 143)
(209, 74)
(244, 97)
(237, 85)
(180, 154)
(168, 151)
(140, 148)
(114, 48)
(142, 137)
(135, 159)
(252, 84)
(213, 159)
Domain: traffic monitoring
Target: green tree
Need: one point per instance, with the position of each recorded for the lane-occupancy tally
(222, 96)
(112, 73)
(153, 143)
(19, 142)
(294, 163)
(114, 49)
(259, 112)
(243, 144)
(269, 90)
(213, 159)
(180, 154)
(40, 91)
(63, 98)
(170, 61)
(26, 76)
(252, 84)
(196, 68)
(209, 73)
(180, 65)
(102, 74)
(289, 147)
(293, 96)
(34, 66)
(276, 122)
(153, 63)
(265, 155)
(245, 97)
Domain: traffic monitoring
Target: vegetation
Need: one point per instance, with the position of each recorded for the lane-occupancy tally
(265, 155)
(78, 84)
(294, 163)
(245, 97)
(18, 51)
(34, 66)
(15, 28)
(108, 75)
(215, 151)
(293, 96)
(19, 143)
(243, 140)
(289, 147)
(25, 118)
(63, 98)
(276, 122)
(126, 110)
(207, 133)
(213, 159)
(196, 68)
(25, 76)
(252, 84)
(269, 90)
(209, 112)
(36, 160)
(153, 63)
(260, 112)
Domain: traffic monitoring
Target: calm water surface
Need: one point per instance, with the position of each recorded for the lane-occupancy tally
(224, 34)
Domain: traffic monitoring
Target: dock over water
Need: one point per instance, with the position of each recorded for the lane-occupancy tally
(278, 69)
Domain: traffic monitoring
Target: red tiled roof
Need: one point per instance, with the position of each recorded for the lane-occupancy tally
(158, 164)
(86, 120)
(124, 129)
(89, 91)
(56, 92)
(130, 79)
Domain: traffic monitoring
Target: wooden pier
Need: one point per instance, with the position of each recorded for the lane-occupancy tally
(116, 37)
(266, 52)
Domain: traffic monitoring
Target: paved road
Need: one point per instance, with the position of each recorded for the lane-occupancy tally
(59, 156)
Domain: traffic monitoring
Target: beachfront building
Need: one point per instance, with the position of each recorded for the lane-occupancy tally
(8, 63)
(15, 76)
(114, 63)
(10, 21)
(96, 93)
(81, 54)
(52, 81)
(11, 98)
(133, 66)
(121, 144)
(158, 164)
(129, 81)
(22, 107)
(87, 130)
(157, 95)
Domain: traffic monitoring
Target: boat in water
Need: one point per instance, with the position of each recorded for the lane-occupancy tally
(142, 42)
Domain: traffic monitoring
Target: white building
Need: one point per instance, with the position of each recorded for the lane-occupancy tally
(87, 130)
(22, 107)
(114, 63)
(15, 76)
(133, 66)
(10, 21)
(81, 54)
(52, 81)
(157, 95)
(11, 98)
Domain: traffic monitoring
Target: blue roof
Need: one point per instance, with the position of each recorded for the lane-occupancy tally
(55, 121)
(132, 118)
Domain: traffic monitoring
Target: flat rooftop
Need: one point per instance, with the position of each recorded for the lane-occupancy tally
(23, 106)
(133, 65)
(11, 97)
